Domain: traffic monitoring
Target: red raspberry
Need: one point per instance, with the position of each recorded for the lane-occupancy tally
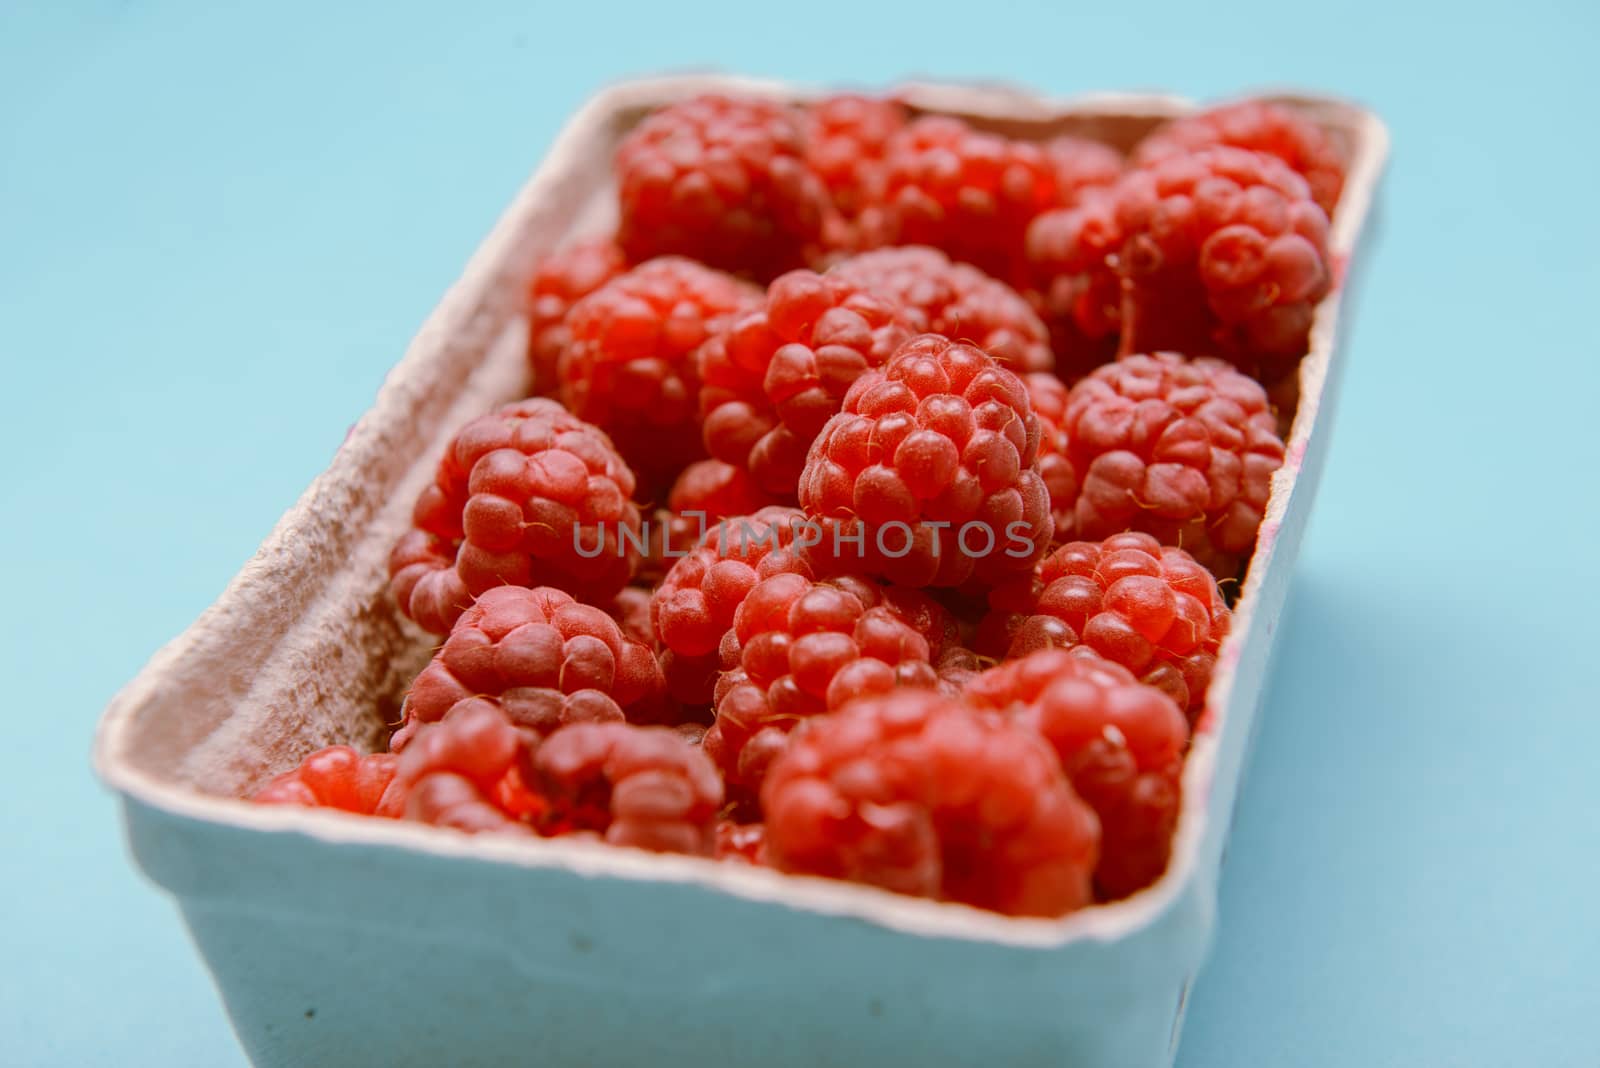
(846, 138)
(560, 281)
(1145, 606)
(928, 476)
(692, 610)
(631, 610)
(802, 648)
(637, 786)
(630, 365)
(1076, 288)
(541, 657)
(706, 492)
(528, 495)
(471, 771)
(1119, 741)
(1047, 395)
(921, 794)
(724, 181)
(743, 843)
(966, 192)
(1261, 127)
(1182, 449)
(1082, 166)
(338, 777)
(956, 300)
(771, 378)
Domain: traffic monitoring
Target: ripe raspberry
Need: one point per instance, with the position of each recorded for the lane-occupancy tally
(638, 786)
(921, 794)
(956, 300)
(724, 181)
(846, 138)
(1119, 741)
(629, 367)
(560, 281)
(968, 193)
(471, 771)
(1072, 259)
(741, 842)
(707, 492)
(541, 657)
(1259, 126)
(1047, 395)
(692, 610)
(631, 610)
(1145, 606)
(528, 495)
(772, 377)
(338, 777)
(928, 476)
(1082, 166)
(802, 648)
(1181, 449)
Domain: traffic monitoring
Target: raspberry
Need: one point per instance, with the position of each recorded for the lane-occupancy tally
(629, 367)
(631, 610)
(692, 610)
(956, 300)
(922, 794)
(1047, 396)
(528, 495)
(740, 842)
(637, 786)
(338, 777)
(1082, 166)
(560, 281)
(772, 377)
(541, 657)
(927, 477)
(968, 193)
(1075, 286)
(470, 771)
(1181, 449)
(802, 648)
(846, 138)
(724, 181)
(1261, 127)
(1120, 742)
(1149, 607)
(707, 492)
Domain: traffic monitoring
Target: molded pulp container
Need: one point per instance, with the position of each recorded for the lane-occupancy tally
(341, 940)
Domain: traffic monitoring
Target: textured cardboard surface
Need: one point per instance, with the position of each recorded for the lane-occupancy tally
(305, 649)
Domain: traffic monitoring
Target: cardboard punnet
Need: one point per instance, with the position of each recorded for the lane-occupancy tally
(338, 939)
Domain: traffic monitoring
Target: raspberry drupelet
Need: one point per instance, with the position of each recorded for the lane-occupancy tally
(928, 476)
(724, 181)
(956, 300)
(692, 610)
(643, 787)
(846, 137)
(629, 366)
(773, 376)
(544, 659)
(1178, 448)
(560, 281)
(1149, 607)
(707, 492)
(921, 794)
(1260, 126)
(966, 192)
(528, 495)
(801, 647)
(1119, 741)
(1082, 166)
(338, 777)
(472, 771)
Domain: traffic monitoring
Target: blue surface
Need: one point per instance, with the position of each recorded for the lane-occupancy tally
(219, 229)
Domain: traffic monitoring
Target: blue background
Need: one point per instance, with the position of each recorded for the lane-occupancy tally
(218, 229)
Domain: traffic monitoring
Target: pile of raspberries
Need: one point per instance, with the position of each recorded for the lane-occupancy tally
(872, 504)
